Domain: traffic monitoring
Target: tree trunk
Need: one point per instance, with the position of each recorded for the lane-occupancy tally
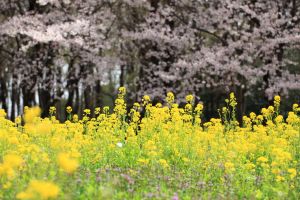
(45, 101)
(122, 75)
(3, 93)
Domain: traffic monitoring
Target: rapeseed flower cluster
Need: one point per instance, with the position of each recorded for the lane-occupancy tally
(151, 150)
(38, 189)
(67, 163)
(11, 163)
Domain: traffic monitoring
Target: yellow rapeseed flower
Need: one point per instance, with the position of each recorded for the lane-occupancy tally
(38, 189)
(31, 114)
(97, 110)
(262, 159)
(189, 99)
(75, 118)
(170, 98)
(122, 91)
(277, 102)
(229, 167)
(2, 113)
(296, 107)
(69, 109)
(292, 172)
(232, 100)
(12, 160)
(279, 178)
(87, 111)
(67, 163)
(163, 163)
(18, 120)
(52, 110)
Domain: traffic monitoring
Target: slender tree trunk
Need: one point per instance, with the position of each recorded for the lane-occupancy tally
(88, 103)
(14, 97)
(122, 75)
(241, 103)
(98, 99)
(77, 103)
(3, 93)
(19, 106)
(28, 96)
(45, 101)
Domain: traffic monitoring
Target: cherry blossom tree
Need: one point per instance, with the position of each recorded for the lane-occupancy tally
(220, 43)
(219, 46)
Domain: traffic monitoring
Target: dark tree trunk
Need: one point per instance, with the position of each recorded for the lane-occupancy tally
(14, 100)
(32, 5)
(77, 103)
(3, 93)
(98, 90)
(28, 96)
(240, 96)
(122, 75)
(45, 101)
(88, 103)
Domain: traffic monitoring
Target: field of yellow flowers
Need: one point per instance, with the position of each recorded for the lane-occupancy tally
(151, 152)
